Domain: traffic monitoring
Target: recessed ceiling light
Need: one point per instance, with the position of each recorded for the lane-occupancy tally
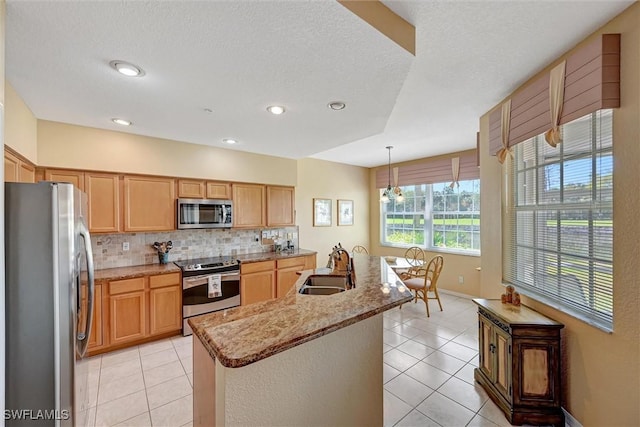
(275, 109)
(122, 122)
(337, 105)
(229, 141)
(208, 110)
(127, 68)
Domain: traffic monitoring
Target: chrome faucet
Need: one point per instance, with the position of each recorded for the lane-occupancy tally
(340, 265)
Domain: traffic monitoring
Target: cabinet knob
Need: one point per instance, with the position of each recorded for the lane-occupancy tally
(492, 348)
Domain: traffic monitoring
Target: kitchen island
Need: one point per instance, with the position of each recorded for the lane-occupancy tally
(298, 360)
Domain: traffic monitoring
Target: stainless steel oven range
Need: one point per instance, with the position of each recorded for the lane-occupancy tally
(208, 284)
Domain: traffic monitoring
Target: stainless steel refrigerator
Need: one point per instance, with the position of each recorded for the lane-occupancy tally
(49, 304)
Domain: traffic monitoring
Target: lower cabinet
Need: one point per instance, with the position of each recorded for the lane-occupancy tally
(261, 281)
(131, 311)
(520, 362)
(257, 282)
(287, 272)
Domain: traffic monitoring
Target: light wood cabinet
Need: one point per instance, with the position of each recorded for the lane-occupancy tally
(17, 170)
(74, 177)
(149, 203)
(165, 310)
(95, 339)
(103, 194)
(218, 190)
(191, 189)
(519, 364)
(128, 317)
(257, 282)
(287, 274)
(248, 205)
(280, 206)
(310, 262)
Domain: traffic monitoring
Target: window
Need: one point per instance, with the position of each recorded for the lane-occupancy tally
(434, 216)
(560, 220)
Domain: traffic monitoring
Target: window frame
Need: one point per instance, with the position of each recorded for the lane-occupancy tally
(511, 271)
(427, 229)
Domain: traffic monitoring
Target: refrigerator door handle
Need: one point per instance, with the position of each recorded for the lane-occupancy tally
(83, 337)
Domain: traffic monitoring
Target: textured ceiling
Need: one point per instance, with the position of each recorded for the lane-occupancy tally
(236, 58)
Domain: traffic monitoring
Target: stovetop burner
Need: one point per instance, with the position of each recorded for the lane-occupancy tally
(208, 264)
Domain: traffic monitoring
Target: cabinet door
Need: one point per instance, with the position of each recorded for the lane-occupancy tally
(26, 173)
(218, 190)
(280, 206)
(256, 287)
(95, 339)
(11, 168)
(310, 262)
(287, 274)
(127, 317)
(165, 310)
(190, 189)
(103, 194)
(538, 383)
(74, 177)
(485, 335)
(149, 203)
(248, 205)
(502, 367)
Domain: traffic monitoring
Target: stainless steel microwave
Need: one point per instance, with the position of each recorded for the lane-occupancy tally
(205, 213)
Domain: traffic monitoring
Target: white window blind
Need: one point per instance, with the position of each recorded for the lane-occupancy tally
(560, 220)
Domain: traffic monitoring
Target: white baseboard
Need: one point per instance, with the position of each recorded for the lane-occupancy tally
(569, 420)
(456, 294)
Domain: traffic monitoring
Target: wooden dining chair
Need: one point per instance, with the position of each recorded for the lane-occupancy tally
(423, 279)
(414, 256)
(359, 249)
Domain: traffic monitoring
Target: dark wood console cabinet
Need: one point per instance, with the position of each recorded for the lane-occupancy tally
(520, 362)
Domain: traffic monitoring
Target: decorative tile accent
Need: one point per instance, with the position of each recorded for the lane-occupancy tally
(187, 244)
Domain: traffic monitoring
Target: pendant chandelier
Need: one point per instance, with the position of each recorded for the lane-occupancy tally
(394, 192)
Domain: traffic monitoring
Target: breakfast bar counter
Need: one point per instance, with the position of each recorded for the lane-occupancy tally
(297, 360)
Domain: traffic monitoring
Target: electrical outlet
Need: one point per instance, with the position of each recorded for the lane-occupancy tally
(125, 246)
(461, 279)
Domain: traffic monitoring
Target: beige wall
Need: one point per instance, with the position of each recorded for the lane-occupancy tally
(601, 371)
(21, 126)
(70, 146)
(328, 180)
(2, 326)
(454, 265)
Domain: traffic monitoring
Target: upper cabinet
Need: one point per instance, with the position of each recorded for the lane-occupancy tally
(149, 203)
(74, 177)
(103, 194)
(200, 189)
(218, 190)
(17, 170)
(280, 206)
(190, 189)
(248, 205)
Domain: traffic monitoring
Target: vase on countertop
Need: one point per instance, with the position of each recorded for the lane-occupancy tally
(163, 257)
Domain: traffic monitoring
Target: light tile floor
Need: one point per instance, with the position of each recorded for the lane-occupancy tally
(428, 375)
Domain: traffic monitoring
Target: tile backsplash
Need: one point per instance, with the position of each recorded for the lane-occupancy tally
(108, 248)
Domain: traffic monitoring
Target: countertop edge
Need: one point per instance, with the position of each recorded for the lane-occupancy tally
(270, 351)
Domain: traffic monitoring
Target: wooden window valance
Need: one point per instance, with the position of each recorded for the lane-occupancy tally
(591, 83)
(432, 171)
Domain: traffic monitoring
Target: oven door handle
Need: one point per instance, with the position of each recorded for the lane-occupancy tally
(192, 282)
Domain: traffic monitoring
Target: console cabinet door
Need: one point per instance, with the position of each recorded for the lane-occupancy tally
(248, 205)
(149, 203)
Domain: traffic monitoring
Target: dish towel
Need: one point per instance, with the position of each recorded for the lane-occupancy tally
(214, 288)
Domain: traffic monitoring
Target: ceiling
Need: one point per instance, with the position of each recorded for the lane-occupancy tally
(235, 58)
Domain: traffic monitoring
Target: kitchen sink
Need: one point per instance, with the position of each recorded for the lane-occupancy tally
(319, 284)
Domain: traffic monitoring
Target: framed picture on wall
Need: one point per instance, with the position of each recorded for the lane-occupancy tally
(345, 212)
(321, 212)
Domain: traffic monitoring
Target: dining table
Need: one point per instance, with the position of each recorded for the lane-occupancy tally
(401, 264)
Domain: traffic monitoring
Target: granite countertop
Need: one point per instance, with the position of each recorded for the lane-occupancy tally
(244, 335)
(119, 273)
(268, 256)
